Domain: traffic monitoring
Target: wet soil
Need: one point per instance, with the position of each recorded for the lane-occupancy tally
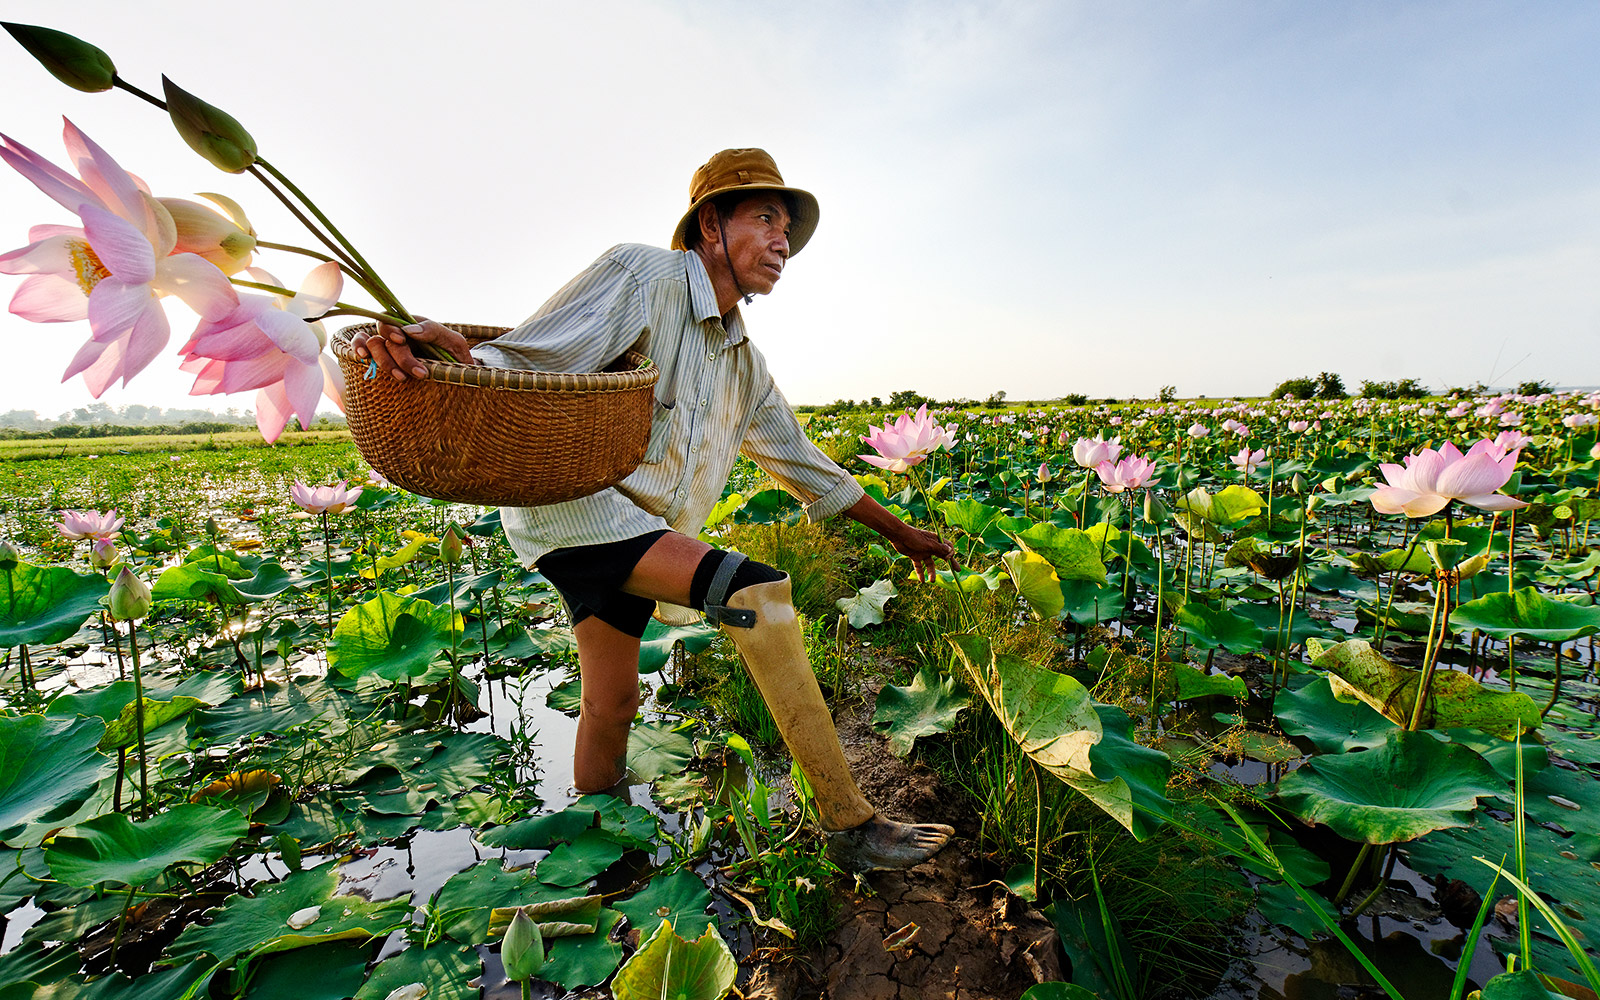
(944, 930)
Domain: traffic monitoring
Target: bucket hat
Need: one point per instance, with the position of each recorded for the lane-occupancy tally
(746, 170)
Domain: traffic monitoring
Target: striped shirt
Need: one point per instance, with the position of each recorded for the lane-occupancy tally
(715, 399)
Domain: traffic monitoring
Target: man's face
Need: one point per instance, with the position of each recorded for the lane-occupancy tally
(758, 241)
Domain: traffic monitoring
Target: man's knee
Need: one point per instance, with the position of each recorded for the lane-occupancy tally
(613, 709)
(715, 573)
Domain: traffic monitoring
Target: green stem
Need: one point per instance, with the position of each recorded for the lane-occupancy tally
(1355, 870)
(300, 216)
(1430, 652)
(138, 721)
(327, 559)
(117, 81)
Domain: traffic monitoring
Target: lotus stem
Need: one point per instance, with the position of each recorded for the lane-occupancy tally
(1555, 687)
(1430, 652)
(327, 559)
(300, 216)
(1355, 870)
(138, 722)
(117, 81)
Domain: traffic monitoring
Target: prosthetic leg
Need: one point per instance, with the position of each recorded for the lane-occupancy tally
(761, 621)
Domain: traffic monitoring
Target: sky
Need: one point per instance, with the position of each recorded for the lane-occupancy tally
(1039, 198)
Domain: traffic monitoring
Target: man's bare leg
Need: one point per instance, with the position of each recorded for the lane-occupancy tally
(608, 660)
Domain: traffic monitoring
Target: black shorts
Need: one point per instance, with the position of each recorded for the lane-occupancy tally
(589, 579)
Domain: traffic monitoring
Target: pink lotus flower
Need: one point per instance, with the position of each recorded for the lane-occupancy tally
(1247, 460)
(227, 241)
(1198, 430)
(1575, 420)
(269, 342)
(906, 442)
(1089, 453)
(112, 271)
(1299, 426)
(334, 499)
(1129, 474)
(1431, 479)
(78, 524)
(1044, 474)
(1507, 441)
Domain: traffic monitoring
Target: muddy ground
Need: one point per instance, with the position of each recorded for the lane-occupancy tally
(969, 938)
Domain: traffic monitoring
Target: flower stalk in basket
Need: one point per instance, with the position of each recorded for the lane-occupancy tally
(132, 249)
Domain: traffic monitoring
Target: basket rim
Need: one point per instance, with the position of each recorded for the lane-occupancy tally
(643, 376)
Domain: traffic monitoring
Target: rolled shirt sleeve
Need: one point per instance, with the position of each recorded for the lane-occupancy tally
(776, 443)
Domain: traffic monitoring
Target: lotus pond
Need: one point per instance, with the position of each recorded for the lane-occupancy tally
(1233, 730)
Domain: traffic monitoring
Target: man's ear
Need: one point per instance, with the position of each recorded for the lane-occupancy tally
(710, 223)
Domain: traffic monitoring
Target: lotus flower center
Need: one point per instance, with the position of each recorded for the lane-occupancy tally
(87, 265)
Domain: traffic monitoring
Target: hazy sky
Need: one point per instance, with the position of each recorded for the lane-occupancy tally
(1040, 198)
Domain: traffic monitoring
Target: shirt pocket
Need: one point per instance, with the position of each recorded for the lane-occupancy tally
(660, 432)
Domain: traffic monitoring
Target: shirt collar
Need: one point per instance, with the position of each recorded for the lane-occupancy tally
(703, 300)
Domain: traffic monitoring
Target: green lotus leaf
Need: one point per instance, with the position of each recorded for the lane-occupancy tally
(1190, 682)
(968, 581)
(656, 646)
(1332, 726)
(566, 697)
(1526, 614)
(1339, 579)
(113, 704)
(1210, 629)
(680, 898)
(978, 520)
(1234, 503)
(467, 899)
(246, 927)
(30, 963)
(628, 825)
(195, 582)
(162, 984)
(391, 636)
(579, 860)
(1522, 985)
(448, 969)
(1266, 618)
(331, 971)
(583, 959)
(262, 712)
(46, 604)
(48, 768)
(537, 833)
(1052, 719)
(1409, 786)
(1455, 700)
(1071, 551)
(1057, 991)
(1036, 581)
(1087, 604)
(113, 848)
(666, 965)
(928, 706)
(770, 507)
(866, 607)
(656, 749)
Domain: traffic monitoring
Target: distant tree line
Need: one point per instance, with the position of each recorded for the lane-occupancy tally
(102, 420)
(1326, 385)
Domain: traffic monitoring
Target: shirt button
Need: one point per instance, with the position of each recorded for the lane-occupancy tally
(711, 357)
(702, 404)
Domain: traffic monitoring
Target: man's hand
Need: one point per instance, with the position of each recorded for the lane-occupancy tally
(390, 347)
(921, 547)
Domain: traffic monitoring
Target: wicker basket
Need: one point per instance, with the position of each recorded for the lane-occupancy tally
(499, 436)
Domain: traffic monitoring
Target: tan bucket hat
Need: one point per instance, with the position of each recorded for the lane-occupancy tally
(746, 170)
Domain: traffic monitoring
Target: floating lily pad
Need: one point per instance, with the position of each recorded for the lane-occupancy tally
(112, 848)
(448, 969)
(541, 832)
(48, 768)
(585, 856)
(584, 959)
(680, 898)
(1411, 785)
(1332, 726)
(1526, 614)
(1209, 629)
(391, 636)
(928, 706)
(656, 749)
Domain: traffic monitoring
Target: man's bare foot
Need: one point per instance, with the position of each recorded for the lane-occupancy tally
(883, 845)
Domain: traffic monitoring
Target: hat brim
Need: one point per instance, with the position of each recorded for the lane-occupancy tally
(802, 220)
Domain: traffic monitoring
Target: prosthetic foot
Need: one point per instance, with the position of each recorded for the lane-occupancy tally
(761, 621)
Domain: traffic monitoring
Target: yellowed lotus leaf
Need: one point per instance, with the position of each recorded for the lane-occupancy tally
(1357, 672)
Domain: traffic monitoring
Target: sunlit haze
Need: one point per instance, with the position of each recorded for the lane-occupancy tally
(1040, 198)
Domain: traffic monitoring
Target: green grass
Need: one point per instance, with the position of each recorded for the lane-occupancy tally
(35, 449)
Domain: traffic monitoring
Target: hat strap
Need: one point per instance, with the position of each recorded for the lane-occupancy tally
(722, 230)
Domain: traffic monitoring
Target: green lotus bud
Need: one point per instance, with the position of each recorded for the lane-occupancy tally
(450, 545)
(1298, 484)
(69, 59)
(1155, 512)
(522, 950)
(10, 555)
(130, 597)
(209, 131)
(213, 529)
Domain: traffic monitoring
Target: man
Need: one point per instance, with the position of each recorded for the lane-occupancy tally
(615, 554)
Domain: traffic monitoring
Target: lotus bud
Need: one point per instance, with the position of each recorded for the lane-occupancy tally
(69, 59)
(130, 597)
(10, 555)
(204, 231)
(450, 545)
(522, 950)
(1298, 485)
(212, 528)
(103, 554)
(1313, 502)
(1044, 472)
(1594, 452)
(1155, 512)
(209, 131)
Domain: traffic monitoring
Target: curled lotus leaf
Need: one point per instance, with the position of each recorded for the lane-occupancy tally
(1455, 700)
(1036, 581)
(668, 966)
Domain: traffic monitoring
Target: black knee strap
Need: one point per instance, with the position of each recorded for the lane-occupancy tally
(716, 609)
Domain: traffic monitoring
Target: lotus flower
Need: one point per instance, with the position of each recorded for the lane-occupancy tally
(1089, 453)
(113, 270)
(1507, 441)
(906, 442)
(1299, 426)
(268, 342)
(77, 524)
(334, 499)
(1198, 430)
(1575, 420)
(1129, 474)
(1247, 460)
(226, 241)
(1431, 479)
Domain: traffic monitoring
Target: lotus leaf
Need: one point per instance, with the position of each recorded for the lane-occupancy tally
(1233, 504)
(579, 860)
(628, 825)
(246, 791)
(566, 916)
(449, 970)
(46, 604)
(391, 636)
(1526, 614)
(112, 848)
(1190, 682)
(1036, 581)
(1332, 726)
(114, 705)
(1072, 552)
(1210, 629)
(1087, 604)
(866, 607)
(48, 768)
(1523, 985)
(928, 706)
(656, 646)
(1455, 700)
(201, 581)
(981, 521)
(656, 749)
(540, 832)
(330, 971)
(1411, 785)
(1057, 991)
(666, 965)
(968, 581)
(769, 507)
(680, 898)
(584, 959)
(566, 697)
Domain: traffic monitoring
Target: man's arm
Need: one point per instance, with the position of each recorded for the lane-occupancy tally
(921, 547)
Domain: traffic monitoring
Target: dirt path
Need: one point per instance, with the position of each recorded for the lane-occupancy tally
(956, 934)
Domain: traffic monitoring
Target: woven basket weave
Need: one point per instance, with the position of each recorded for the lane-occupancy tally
(499, 436)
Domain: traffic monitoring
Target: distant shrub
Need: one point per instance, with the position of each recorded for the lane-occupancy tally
(907, 399)
(1075, 399)
(995, 400)
(1295, 388)
(1330, 386)
(1168, 393)
(1534, 388)
(1406, 388)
